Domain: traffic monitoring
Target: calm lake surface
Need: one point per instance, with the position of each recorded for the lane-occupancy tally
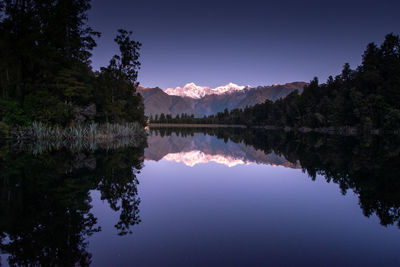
(206, 197)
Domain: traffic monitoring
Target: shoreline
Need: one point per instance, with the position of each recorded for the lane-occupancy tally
(195, 125)
(344, 130)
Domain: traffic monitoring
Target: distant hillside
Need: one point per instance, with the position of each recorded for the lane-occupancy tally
(157, 101)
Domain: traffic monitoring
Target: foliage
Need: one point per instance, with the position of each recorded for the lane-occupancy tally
(12, 114)
(123, 104)
(4, 129)
(45, 50)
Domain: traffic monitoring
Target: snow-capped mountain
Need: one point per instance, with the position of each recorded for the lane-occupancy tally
(195, 91)
(229, 88)
(202, 100)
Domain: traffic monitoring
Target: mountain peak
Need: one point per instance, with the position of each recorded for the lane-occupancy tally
(194, 91)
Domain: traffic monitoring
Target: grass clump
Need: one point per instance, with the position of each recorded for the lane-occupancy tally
(77, 137)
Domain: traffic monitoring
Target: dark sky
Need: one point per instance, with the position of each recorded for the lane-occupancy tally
(246, 42)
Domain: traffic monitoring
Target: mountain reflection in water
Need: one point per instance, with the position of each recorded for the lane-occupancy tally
(368, 165)
(199, 148)
(46, 204)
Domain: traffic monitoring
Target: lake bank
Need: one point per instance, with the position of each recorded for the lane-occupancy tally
(344, 130)
(192, 125)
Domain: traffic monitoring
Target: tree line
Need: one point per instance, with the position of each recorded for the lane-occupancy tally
(367, 98)
(45, 71)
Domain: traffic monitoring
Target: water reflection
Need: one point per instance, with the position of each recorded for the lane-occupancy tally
(45, 198)
(45, 202)
(367, 165)
(193, 148)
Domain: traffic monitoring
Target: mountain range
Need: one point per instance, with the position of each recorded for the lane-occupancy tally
(204, 101)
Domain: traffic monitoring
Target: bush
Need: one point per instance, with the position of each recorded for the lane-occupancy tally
(12, 114)
(4, 129)
(49, 109)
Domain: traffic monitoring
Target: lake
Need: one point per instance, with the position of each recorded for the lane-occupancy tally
(204, 197)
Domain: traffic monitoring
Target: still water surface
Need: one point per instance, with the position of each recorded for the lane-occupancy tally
(191, 198)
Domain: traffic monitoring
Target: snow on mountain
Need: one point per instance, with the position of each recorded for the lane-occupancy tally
(190, 90)
(194, 91)
(230, 87)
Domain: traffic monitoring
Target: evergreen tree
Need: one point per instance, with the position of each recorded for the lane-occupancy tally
(45, 50)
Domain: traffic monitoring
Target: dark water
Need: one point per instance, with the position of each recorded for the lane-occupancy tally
(205, 198)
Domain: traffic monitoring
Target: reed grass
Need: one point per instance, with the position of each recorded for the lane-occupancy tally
(40, 137)
(41, 131)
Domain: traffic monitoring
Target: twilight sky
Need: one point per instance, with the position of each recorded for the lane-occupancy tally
(246, 42)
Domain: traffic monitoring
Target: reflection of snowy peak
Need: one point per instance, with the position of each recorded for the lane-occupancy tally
(194, 157)
(200, 148)
(194, 91)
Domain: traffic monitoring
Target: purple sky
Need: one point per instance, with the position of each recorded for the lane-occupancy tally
(246, 42)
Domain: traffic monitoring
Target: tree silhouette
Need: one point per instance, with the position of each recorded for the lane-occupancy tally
(45, 202)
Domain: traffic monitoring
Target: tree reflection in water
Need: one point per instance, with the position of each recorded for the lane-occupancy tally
(367, 165)
(45, 202)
